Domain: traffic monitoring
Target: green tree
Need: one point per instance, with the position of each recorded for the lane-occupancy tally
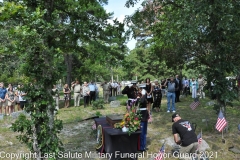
(45, 31)
(200, 33)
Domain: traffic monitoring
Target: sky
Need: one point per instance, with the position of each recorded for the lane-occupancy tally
(119, 10)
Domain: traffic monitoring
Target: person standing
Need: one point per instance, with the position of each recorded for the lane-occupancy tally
(171, 87)
(86, 94)
(163, 88)
(119, 88)
(178, 90)
(194, 87)
(131, 94)
(66, 92)
(186, 88)
(106, 89)
(10, 97)
(22, 98)
(149, 90)
(3, 93)
(188, 139)
(200, 86)
(56, 96)
(157, 95)
(114, 86)
(142, 105)
(92, 88)
(76, 87)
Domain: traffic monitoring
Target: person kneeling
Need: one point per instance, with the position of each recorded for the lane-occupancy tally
(188, 139)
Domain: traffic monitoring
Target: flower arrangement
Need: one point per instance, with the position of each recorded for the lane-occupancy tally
(131, 120)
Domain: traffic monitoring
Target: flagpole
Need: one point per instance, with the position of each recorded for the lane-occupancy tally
(222, 134)
(164, 148)
(202, 138)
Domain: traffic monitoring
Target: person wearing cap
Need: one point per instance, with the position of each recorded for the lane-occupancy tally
(188, 139)
(131, 92)
(142, 106)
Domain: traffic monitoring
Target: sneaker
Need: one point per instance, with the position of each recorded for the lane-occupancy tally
(173, 111)
(168, 111)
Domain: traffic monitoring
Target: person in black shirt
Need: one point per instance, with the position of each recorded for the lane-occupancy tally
(131, 94)
(178, 90)
(163, 88)
(188, 139)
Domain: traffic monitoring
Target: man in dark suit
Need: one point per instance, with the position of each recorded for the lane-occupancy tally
(177, 92)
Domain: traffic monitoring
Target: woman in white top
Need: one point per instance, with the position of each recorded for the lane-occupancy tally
(194, 87)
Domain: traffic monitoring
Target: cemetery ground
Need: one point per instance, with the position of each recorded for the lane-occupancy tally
(78, 136)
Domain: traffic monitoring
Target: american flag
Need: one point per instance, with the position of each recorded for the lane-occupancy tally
(194, 104)
(160, 154)
(221, 122)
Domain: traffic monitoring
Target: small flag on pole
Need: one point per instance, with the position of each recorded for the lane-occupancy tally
(160, 154)
(221, 122)
(194, 104)
(199, 137)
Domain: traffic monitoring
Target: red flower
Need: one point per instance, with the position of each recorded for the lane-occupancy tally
(136, 118)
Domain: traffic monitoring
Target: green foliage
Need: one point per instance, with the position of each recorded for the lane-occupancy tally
(98, 113)
(195, 34)
(98, 104)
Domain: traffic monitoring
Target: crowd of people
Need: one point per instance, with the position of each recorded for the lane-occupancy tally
(10, 97)
(89, 91)
(149, 95)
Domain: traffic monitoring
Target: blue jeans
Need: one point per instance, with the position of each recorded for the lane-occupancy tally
(143, 136)
(171, 96)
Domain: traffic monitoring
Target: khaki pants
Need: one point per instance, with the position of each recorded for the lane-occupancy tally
(186, 153)
(76, 98)
(106, 96)
(3, 104)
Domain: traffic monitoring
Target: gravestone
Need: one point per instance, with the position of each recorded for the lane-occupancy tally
(210, 103)
(16, 114)
(112, 99)
(1, 116)
(115, 104)
(170, 141)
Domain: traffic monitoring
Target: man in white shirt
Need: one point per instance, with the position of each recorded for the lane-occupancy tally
(114, 86)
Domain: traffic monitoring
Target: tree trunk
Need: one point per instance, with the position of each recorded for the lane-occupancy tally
(68, 62)
(36, 149)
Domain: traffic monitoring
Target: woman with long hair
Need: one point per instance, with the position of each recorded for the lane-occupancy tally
(10, 97)
(66, 91)
(149, 90)
(157, 94)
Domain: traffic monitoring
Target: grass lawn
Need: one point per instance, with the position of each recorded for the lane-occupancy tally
(78, 136)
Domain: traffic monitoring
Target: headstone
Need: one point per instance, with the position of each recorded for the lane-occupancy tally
(1, 116)
(112, 99)
(115, 104)
(16, 114)
(170, 141)
(210, 103)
